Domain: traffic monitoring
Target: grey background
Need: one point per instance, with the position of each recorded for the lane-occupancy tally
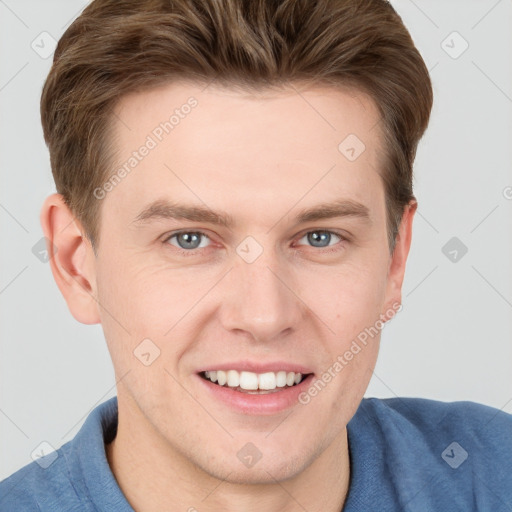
(452, 341)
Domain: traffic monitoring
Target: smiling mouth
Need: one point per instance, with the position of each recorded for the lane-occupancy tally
(254, 383)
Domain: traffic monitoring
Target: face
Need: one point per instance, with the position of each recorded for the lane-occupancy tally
(250, 235)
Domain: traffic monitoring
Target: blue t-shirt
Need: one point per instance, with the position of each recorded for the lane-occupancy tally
(406, 454)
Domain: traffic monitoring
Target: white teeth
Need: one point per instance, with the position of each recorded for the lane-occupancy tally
(267, 380)
(248, 380)
(221, 377)
(281, 379)
(253, 381)
(233, 378)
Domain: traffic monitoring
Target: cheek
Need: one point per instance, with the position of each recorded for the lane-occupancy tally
(347, 298)
(146, 296)
(144, 301)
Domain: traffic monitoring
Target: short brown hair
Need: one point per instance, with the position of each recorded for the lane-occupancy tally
(119, 46)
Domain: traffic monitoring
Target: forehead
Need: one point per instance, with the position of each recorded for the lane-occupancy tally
(319, 109)
(218, 144)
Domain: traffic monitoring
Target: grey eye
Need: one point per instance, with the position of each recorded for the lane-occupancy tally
(320, 238)
(187, 240)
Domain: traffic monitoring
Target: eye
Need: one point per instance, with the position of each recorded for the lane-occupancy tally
(321, 238)
(187, 241)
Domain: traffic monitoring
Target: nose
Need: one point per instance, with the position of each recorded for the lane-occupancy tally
(260, 298)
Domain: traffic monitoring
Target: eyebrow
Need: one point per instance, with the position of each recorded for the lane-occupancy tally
(164, 209)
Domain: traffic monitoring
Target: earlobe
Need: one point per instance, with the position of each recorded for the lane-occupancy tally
(398, 259)
(71, 259)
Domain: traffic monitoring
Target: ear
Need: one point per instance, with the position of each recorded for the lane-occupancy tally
(398, 260)
(71, 258)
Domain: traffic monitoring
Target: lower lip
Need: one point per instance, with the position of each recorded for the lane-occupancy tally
(256, 403)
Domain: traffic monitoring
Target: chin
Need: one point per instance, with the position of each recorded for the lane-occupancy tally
(262, 472)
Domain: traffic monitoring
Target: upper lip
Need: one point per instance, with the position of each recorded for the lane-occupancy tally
(258, 367)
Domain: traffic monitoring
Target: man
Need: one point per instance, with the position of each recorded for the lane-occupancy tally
(235, 208)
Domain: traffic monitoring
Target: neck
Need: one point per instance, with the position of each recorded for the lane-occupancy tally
(154, 476)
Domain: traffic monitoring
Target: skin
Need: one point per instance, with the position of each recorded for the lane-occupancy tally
(261, 158)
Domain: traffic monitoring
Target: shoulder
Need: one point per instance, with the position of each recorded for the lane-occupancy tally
(76, 477)
(427, 416)
(422, 410)
(461, 450)
(41, 485)
(432, 424)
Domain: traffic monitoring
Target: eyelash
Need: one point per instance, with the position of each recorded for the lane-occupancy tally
(194, 252)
